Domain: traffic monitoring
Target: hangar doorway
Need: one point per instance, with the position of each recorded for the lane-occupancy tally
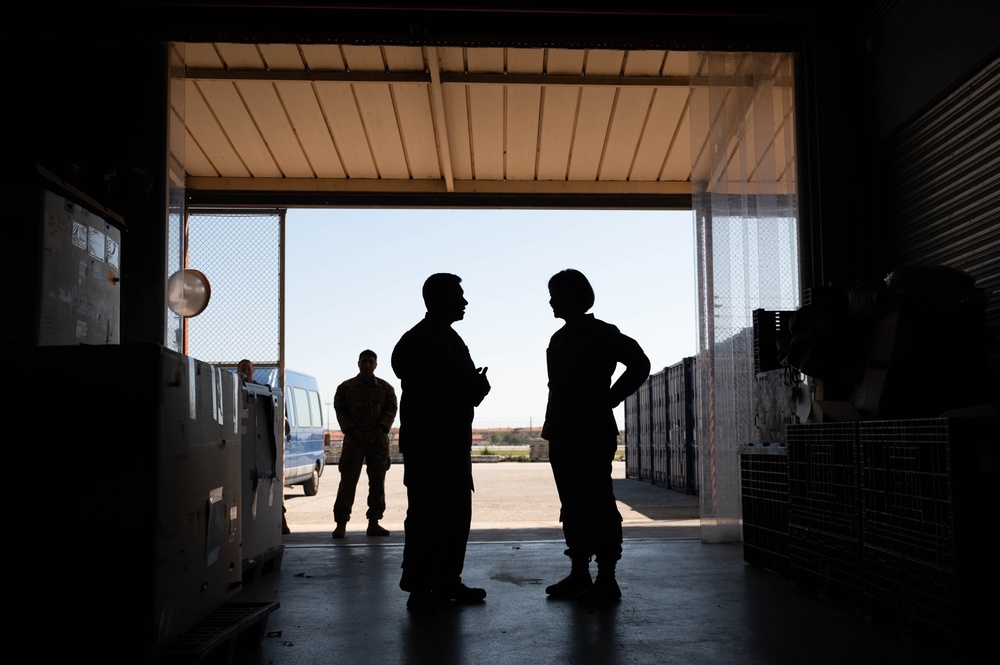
(492, 138)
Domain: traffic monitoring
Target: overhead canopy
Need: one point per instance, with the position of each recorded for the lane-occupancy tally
(321, 124)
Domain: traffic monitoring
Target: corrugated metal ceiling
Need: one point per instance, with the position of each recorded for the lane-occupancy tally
(307, 118)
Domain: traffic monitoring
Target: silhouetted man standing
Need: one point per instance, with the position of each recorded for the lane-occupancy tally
(366, 409)
(582, 432)
(440, 388)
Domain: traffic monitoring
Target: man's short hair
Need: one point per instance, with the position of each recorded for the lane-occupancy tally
(575, 285)
(367, 353)
(438, 285)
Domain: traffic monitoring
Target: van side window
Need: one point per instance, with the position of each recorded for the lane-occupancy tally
(289, 414)
(316, 408)
(300, 397)
(290, 410)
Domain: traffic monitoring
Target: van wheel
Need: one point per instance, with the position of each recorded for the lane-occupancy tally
(311, 486)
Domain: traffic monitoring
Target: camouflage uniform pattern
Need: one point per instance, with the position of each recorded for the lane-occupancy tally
(364, 406)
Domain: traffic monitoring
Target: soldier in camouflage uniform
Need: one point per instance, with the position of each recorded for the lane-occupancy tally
(366, 409)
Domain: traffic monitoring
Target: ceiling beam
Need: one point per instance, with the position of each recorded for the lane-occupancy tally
(438, 117)
(443, 78)
(560, 187)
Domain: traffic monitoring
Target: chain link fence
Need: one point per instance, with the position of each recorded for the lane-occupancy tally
(241, 254)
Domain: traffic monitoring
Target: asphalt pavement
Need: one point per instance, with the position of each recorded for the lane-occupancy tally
(512, 501)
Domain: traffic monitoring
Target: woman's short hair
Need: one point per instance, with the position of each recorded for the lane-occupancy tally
(575, 286)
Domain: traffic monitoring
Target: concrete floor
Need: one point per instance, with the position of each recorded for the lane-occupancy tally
(683, 601)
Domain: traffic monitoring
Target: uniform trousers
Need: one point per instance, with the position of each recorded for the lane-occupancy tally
(591, 521)
(438, 519)
(354, 455)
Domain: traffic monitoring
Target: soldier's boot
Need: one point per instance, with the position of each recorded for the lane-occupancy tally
(605, 590)
(374, 529)
(577, 581)
(340, 531)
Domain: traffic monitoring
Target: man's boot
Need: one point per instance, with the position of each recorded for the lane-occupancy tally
(340, 531)
(573, 584)
(374, 529)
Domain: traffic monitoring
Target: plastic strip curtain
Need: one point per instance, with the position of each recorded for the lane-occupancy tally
(744, 199)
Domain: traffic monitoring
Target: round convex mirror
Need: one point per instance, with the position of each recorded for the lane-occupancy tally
(188, 292)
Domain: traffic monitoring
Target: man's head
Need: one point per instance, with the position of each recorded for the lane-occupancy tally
(367, 362)
(444, 296)
(570, 293)
(245, 369)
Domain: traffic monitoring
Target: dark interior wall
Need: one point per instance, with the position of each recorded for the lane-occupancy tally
(934, 74)
(917, 53)
(918, 49)
(90, 108)
(865, 73)
(835, 154)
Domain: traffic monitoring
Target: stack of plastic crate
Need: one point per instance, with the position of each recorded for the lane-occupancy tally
(764, 494)
(926, 499)
(768, 325)
(824, 520)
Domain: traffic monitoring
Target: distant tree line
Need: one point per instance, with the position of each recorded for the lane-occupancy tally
(509, 439)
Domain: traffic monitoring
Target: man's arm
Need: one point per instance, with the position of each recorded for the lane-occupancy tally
(389, 407)
(342, 407)
(480, 387)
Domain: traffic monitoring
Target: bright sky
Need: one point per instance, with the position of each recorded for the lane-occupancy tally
(353, 281)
